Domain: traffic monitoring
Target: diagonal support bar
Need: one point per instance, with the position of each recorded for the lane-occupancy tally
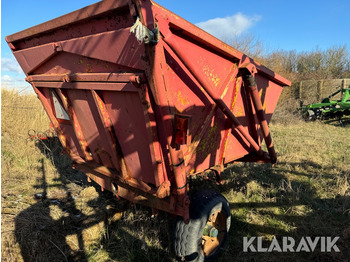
(247, 72)
(169, 39)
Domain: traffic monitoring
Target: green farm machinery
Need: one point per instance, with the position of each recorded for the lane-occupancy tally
(328, 108)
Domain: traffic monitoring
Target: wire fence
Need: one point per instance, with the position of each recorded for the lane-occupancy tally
(20, 86)
(21, 107)
(313, 91)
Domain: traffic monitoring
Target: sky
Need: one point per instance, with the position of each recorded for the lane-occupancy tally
(278, 24)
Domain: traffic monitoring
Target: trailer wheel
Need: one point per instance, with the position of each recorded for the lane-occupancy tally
(204, 237)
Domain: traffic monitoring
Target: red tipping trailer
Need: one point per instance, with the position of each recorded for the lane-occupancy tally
(142, 99)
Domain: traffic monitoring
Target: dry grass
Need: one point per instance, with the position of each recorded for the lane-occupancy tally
(306, 194)
(49, 213)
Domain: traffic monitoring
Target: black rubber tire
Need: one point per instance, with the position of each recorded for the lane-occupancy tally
(187, 238)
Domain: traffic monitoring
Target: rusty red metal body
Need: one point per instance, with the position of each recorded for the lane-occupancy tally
(140, 117)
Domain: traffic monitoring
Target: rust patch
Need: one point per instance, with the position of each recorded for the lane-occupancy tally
(262, 94)
(237, 88)
(182, 99)
(198, 138)
(208, 142)
(211, 75)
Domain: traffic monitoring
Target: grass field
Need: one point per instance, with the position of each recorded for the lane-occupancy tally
(50, 213)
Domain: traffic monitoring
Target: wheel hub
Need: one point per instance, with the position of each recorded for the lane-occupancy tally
(214, 232)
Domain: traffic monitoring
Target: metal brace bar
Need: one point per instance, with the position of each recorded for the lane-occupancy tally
(247, 72)
(169, 39)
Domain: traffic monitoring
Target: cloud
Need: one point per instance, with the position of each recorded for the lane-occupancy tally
(17, 81)
(6, 78)
(10, 65)
(230, 26)
(12, 75)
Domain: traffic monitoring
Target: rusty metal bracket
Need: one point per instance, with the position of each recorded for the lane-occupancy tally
(248, 72)
(164, 190)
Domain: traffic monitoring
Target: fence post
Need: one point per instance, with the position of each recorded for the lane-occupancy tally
(343, 85)
(300, 89)
(319, 89)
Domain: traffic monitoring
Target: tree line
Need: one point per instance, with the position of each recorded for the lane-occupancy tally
(318, 64)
